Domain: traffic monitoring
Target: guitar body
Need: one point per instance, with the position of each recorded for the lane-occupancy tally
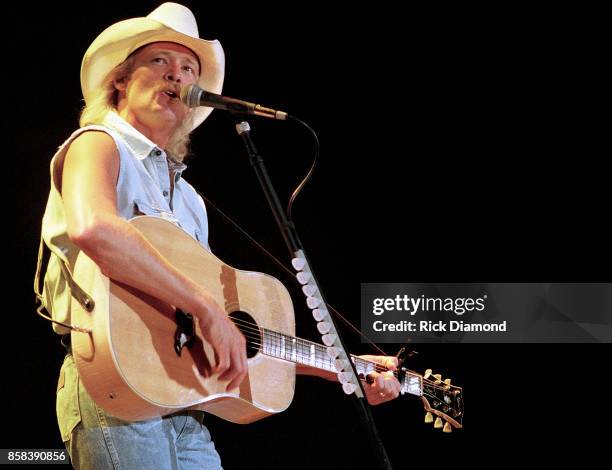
(128, 363)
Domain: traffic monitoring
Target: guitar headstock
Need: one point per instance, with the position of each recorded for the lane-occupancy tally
(443, 400)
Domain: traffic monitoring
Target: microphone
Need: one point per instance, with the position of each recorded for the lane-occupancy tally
(194, 96)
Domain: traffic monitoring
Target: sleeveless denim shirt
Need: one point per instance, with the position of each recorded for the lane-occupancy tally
(143, 188)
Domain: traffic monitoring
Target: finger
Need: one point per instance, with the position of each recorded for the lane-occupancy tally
(378, 396)
(371, 379)
(392, 388)
(388, 375)
(380, 383)
(239, 368)
(387, 387)
(223, 368)
(388, 383)
(392, 362)
(393, 391)
(235, 382)
(397, 388)
(234, 368)
(377, 359)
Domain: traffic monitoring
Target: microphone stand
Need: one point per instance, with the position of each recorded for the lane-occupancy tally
(296, 251)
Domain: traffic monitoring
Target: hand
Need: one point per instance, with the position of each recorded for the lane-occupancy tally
(228, 343)
(385, 386)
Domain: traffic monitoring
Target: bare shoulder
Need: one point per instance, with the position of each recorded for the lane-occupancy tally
(96, 144)
(93, 155)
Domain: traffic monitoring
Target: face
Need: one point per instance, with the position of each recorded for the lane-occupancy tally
(150, 97)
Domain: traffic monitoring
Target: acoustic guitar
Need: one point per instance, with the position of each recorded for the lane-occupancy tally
(144, 358)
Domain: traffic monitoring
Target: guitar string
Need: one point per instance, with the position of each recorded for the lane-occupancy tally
(321, 363)
(254, 340)
(377, 367)
(287, 271)
(271, 334)
(246, 325)
(257, 332)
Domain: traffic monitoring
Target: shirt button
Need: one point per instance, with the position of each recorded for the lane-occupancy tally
(165, 193)
(158, 152)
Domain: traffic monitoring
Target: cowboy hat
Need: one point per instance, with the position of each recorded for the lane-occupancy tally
(170, 22)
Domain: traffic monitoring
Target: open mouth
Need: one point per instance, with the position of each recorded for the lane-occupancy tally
(171, 94)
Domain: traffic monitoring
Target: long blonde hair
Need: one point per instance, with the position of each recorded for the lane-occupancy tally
(106, 97)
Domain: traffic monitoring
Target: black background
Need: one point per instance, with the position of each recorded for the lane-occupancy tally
(458, 145)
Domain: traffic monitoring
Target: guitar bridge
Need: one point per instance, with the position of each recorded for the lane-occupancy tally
(184, 334)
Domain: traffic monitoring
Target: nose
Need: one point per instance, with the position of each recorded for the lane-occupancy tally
(173, 73)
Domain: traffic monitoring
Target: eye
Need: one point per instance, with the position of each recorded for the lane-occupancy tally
(159, 60)
(188, 68)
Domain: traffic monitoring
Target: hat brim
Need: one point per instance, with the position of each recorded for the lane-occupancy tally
(114, 45)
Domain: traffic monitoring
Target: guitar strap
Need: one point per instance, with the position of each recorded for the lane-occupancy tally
(75, 290)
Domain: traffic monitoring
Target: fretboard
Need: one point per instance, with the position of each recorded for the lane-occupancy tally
(301, 351)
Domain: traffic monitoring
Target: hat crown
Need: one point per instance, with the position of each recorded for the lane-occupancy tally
(176, 17)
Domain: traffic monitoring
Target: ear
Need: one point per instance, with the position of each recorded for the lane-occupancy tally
(120, 83)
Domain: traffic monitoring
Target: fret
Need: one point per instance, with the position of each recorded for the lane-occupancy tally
(282, 351)
(271, 343)
(301, 351)
(363, 367)
(328, 363)
(412, 384)
(278, 345)
(300, 345)
(266, 342)
(322, 357)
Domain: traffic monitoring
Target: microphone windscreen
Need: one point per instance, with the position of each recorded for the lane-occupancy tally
(190, 95)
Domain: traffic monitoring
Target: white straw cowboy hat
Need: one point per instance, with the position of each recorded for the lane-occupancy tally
(170, 22)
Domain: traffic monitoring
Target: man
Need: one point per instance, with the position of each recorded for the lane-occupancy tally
(124, 161)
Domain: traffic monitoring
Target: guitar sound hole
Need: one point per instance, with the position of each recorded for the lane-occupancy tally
(247, 325)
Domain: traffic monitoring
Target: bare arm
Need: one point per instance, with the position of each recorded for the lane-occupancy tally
(88, 188)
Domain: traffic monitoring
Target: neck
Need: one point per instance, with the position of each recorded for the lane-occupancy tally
(159, 135)
(301, 351)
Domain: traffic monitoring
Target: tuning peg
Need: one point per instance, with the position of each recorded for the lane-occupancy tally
(447, 427)
(427, 373)
(438, 378)
(438, 423)
(428, 418)
(448, 384)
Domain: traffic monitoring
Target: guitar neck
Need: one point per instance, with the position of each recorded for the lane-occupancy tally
(301, 351)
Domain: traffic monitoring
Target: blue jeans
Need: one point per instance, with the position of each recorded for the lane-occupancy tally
(96, 440)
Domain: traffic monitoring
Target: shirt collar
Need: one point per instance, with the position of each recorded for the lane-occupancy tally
(140, 145)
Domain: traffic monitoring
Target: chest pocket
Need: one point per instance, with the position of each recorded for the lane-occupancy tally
(142, 207)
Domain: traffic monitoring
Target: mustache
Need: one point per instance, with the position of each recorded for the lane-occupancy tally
(168, 87)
